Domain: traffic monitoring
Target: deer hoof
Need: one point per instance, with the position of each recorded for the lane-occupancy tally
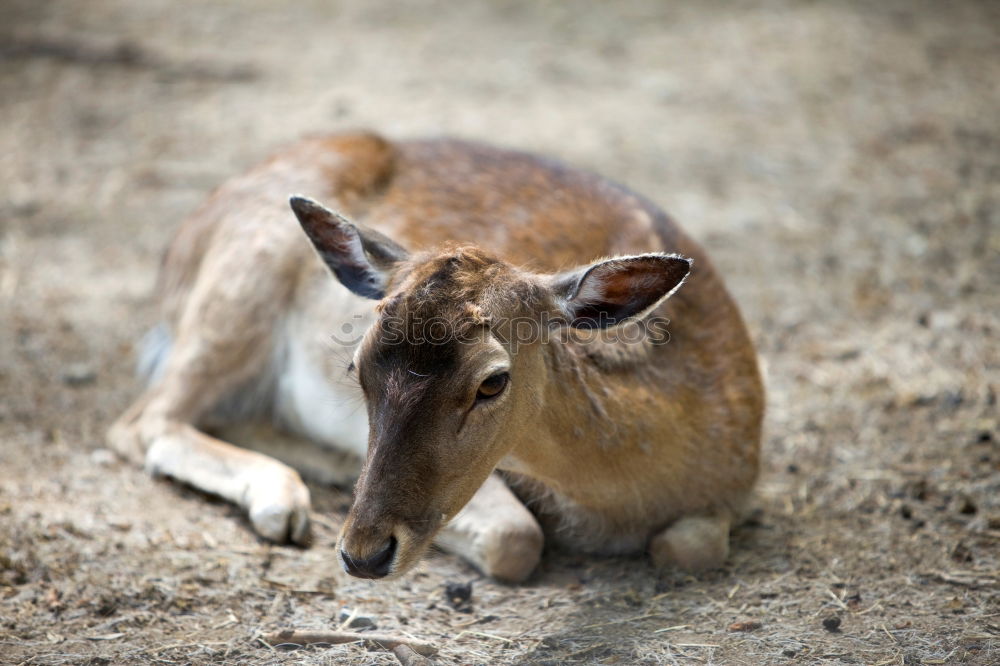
(279, 511)
(694, 543)
(512, 554)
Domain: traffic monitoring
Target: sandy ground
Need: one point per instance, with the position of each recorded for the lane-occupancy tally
(841, 161)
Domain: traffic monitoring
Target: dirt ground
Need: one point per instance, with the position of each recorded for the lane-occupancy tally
(841, 162)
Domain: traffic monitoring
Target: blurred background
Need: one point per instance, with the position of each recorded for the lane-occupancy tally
(839, 160)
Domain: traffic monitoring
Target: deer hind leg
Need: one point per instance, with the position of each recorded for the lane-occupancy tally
(225, 343)
(692, 543)
(496, 533)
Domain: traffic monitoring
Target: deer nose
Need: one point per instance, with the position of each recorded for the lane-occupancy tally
(374, 566)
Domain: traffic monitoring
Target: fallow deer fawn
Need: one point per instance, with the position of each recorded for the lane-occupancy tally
(503, 362)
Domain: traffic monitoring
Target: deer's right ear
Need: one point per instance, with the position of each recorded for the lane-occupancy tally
(361, 258)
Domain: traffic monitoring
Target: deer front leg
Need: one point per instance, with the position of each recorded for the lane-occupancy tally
(274, 497)
(271, 493)
(692, 543)
(496, 533)
(221, 340)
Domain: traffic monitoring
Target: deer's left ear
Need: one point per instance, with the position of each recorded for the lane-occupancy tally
(361, 258)
(611, 291)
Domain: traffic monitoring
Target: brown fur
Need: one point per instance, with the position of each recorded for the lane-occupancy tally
(611, 443)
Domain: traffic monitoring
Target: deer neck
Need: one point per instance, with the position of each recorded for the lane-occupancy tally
(584, 421)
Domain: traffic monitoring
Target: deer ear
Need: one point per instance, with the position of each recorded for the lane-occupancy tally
(361, 258)
(608, 292)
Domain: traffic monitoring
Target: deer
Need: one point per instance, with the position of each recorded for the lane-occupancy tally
(375, 334)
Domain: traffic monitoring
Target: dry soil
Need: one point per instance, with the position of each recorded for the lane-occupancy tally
(840, 160)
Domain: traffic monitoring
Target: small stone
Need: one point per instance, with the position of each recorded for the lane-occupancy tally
(961, 553)
(967, 507)
(120, 524)
(940, 321)
(79, 374)
(102, 457)
(745, 625)
(919, 490)
(632, 598)
(459, 596)
(355, 622)
(832, 624)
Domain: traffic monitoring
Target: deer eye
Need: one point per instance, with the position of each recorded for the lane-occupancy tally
(492, 386)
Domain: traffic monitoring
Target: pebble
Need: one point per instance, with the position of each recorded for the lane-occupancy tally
(102, 457)
(459, 595)
(79, 374)
(832, 624)
(356, 622)
(746, 625)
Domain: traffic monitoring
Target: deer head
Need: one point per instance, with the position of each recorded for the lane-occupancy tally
(450, 382)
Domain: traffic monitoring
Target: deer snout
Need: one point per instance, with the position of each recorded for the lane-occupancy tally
(376, 564)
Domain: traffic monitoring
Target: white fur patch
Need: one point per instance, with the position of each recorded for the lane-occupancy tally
(316, 398)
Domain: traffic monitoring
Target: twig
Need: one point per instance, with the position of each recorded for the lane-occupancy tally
(839, 601)
(624, 619)
(876, 606)
(287, 587)
(407, 656)
(482, 634)
(580, 653)
(973, 579)
(292, 637)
